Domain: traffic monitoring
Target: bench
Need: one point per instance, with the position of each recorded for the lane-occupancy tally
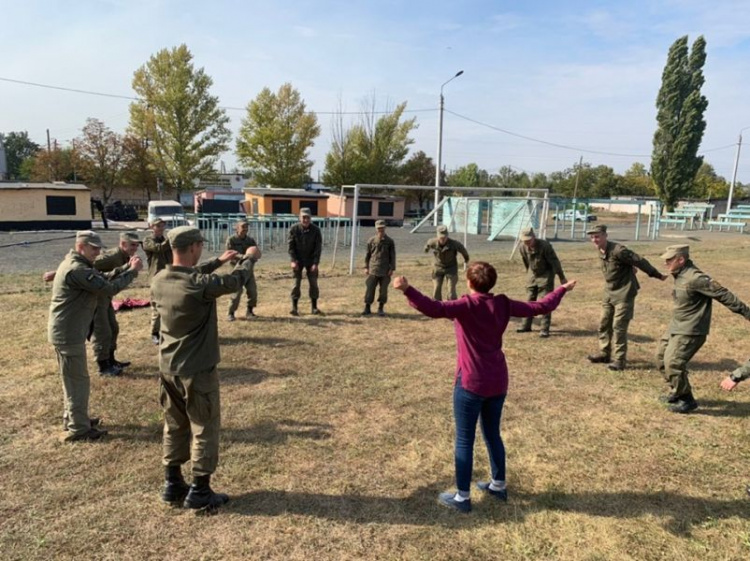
(728, 223)
(680, 221)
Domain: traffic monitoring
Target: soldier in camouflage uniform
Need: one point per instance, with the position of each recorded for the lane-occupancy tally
(542, 265)
(158, 255)
(693, 294)
(618, 303)
(76, 289)
(105, 330)
(241, 242)
(445, 251)
(380, 263)
(185, 296)
(305, 243)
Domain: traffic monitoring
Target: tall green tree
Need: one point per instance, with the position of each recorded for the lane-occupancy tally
(418, 170)
(18, 147)
(186, 127)
(372, 150)
(276, 136)
(680, 121)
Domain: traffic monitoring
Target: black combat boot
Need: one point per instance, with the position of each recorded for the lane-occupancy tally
(117, 363)
(381, 310)
(249, 314)
(106, 368)
(315, 311)
(202, 499)
(175, 489)
(367, 311)
(294, 310)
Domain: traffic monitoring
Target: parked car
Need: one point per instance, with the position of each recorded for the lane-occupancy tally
(170, 211)
(568, 215)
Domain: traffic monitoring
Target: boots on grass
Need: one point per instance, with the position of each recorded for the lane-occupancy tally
(202, 498)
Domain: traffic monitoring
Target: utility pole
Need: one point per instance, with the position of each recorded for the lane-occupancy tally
(575, 195)
(49, 158)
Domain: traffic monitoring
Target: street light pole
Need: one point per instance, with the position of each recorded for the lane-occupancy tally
(440, 147)
(734, 174)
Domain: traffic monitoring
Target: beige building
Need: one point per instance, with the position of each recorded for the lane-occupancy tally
(44, 206)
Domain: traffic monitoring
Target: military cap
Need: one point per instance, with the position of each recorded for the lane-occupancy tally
(442, 230)
(183, 236)
(156, 221)
(129, 237)
(527, 234)
(380, 224)
(305, 212)
(675, 250)
(598, 229)
(89, 237)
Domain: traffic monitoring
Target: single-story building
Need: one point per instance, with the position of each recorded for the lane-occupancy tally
(225, 201)
(284, 201)
(44, 206)
(370, 208)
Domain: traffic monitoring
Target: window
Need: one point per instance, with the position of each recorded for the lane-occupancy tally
(385, 209)
(364, 208)
(312, 205)
(61, 206)
(281, 206)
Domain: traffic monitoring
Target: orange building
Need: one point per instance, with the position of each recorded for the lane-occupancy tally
(371, 208)
(284, 201)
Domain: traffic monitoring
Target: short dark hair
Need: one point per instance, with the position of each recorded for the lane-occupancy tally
(482, 276)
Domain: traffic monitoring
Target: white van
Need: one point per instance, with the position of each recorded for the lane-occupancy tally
(170, 211)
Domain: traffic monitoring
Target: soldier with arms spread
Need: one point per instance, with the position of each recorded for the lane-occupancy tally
(380, 263)
(618, 302)
(542, 265)
(693, 294)
(445, 251)
(76, 289)
(241, 242)
(185, 296)
(106, 329)
(158, 255)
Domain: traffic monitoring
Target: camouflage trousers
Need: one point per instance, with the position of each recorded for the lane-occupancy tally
(613, 329)
(673, 355)
(192, 420)
(106, 331)
(312, 278)
(251, 289)
(76, 387)
(371, 283)
(532, 294)
(437, 284)
(155, 320)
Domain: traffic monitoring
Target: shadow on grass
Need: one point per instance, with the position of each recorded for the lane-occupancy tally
(250, 376)
(679, 513)
(726, 364)
(265, 341)
(712, 408)
(418, 509)
(264, 432)
(634, 337)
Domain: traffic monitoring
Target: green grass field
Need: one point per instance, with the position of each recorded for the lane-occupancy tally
(338, 434)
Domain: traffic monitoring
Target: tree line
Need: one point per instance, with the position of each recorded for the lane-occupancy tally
(178, 130)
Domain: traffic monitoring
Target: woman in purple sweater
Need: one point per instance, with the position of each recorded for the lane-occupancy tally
(481, 381)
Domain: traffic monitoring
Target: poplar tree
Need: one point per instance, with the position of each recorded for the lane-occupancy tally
(680, 121)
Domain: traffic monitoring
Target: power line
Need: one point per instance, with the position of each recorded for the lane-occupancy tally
(563, 146)
(227, 108)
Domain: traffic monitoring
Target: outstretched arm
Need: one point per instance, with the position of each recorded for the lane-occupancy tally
(544, 306)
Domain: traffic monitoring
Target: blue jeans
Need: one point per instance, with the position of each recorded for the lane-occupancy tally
(467, 409)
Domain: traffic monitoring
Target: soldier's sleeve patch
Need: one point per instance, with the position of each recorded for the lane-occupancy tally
(91, 277)
(714, 285)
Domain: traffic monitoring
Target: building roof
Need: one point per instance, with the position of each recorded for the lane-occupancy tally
(373, 196)
(300, 194)
(56, 185)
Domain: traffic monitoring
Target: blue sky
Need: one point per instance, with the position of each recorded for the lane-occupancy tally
(581, 74)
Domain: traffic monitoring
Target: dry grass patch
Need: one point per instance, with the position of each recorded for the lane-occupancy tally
(337, 435)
